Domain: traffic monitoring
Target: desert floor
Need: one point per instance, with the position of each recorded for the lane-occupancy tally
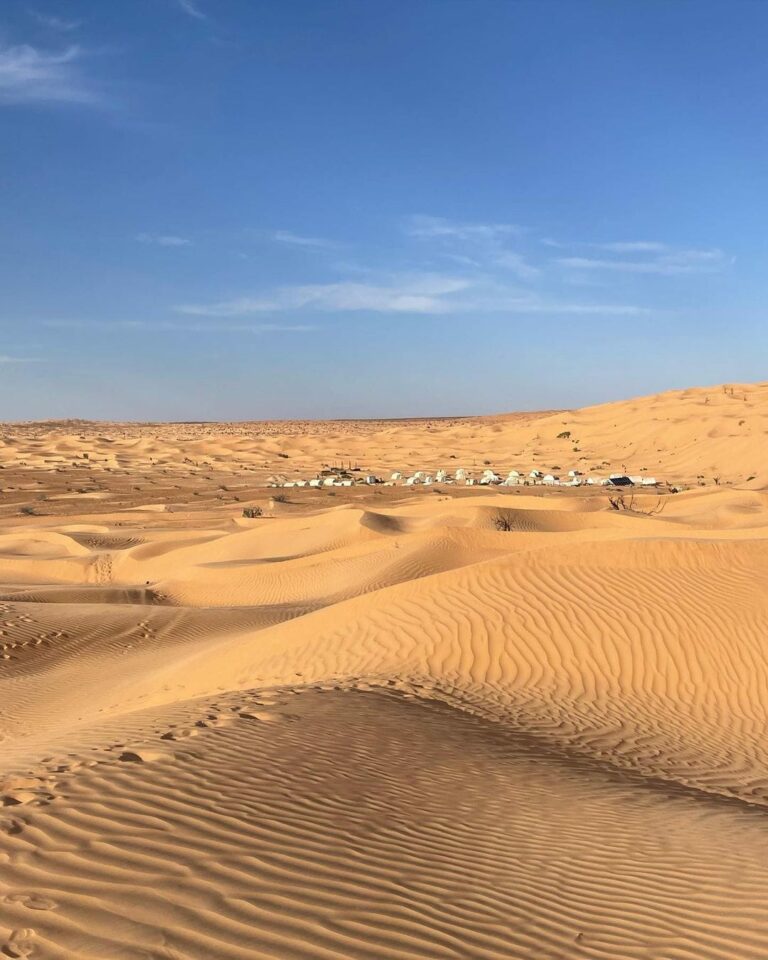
(386, 723)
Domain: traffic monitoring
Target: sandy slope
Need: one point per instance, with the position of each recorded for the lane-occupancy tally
(381, 726)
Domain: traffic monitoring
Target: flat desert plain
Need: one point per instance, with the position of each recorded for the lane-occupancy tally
(387, 722)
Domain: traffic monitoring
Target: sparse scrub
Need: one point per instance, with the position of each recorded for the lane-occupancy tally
(621, 503)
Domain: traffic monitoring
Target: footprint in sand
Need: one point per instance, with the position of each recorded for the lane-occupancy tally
(142, 756)
(18, 790)
(265, 716)
(180, 734)
(214, 720)
(19, 944)
(31, 901)
(12, 827)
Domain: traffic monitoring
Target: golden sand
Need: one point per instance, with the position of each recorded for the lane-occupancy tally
(386, 723)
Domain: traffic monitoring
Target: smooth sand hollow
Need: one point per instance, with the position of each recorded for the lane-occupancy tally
(385, 723)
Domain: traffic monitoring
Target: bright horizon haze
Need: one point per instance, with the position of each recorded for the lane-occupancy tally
(234, 209)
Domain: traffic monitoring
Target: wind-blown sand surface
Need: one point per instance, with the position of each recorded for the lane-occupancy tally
(376, 725)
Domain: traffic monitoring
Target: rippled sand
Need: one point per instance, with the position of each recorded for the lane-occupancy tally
(377, 725)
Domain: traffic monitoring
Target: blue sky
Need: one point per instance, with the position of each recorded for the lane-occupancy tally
(326, 208)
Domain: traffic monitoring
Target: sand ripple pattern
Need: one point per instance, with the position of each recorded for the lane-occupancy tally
(398, 731)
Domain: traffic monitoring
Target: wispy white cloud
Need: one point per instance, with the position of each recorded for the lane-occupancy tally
(632, 246)
(55, 23)
(487, 277)
(192, 9)
(424, 227)
(297, 240)
(423, 294)
(256, 328)
(181, 327)
(163, 240)
(624, 246)
(479, 245)
(30, 75)
(239, 307)
(517, 265)
(4, 358)
(671, 263)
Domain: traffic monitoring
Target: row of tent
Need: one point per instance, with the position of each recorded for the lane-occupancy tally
(574, 478)
(536, 477)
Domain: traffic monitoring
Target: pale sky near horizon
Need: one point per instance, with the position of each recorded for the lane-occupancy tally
(235, 209)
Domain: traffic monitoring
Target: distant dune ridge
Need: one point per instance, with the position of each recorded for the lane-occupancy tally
(386, 723)
(683, 435)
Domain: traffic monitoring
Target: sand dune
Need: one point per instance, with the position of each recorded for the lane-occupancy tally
(386, 724)
(688, 437)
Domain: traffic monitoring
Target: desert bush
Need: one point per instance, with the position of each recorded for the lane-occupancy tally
(620, 503)
(252, 512)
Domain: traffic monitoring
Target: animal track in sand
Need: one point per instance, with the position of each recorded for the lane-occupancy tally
(31, 901)
(19, 790)
(266, 716)
(214, 720)
(19, 944)
(182, 733)
(142, 756)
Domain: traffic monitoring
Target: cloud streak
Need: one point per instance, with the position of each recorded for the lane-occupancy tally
(673, 263)
(431, 228)
(297, 240)
(422, 294)
(55, 23)
(177, 327)
(163, 240)
(478, 245)
(487, 277)
(191, 9)
(632, 246)
(29, 75)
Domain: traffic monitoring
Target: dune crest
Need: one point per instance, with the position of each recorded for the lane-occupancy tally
(385, 723)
